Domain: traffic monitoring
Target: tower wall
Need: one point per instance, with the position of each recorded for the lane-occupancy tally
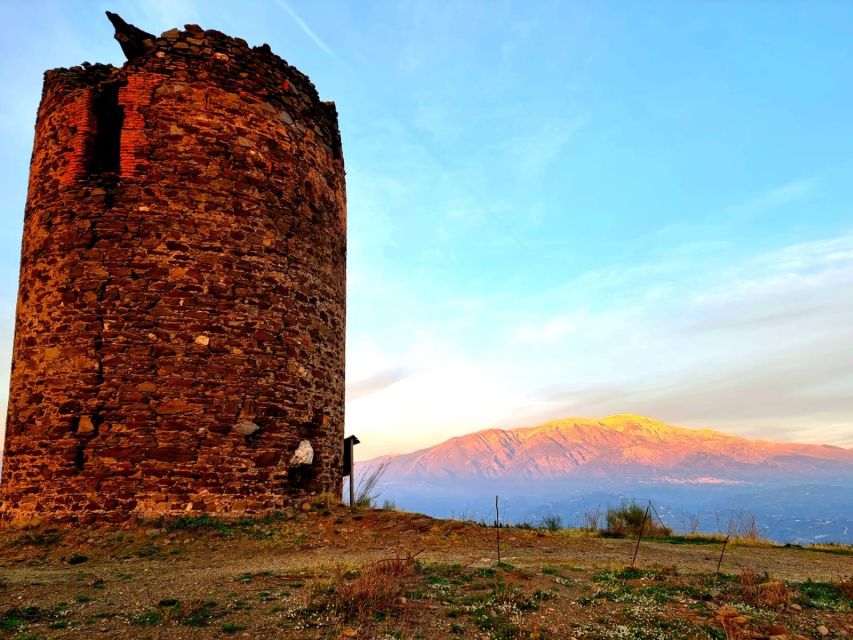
(180, 320)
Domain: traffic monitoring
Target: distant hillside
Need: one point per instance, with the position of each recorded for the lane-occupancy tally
(617, 448)
(571, 467)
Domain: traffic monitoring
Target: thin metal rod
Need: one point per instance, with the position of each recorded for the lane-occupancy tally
(351, 477)
(663, 524)
(498, 528)
(720, 561)
(639, 537)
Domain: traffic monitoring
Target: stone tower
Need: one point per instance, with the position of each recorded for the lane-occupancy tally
(180, 322)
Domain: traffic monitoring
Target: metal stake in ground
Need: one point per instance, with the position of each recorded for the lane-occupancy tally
(720, 561)
(498, 528)
(639, 537)
(349, 443)
(662, 523)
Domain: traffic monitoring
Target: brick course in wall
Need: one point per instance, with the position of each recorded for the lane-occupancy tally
(180, 321)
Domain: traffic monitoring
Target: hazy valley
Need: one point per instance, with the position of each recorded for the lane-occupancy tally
(573, 468)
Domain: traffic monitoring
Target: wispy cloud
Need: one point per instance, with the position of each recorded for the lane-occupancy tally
(305, 28)
(761, 348)
(778, 196)
(535, 150)
(160, 15)
(546, 331)
(375, 383)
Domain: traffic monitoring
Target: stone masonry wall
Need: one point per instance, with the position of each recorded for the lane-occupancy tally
(180, 322)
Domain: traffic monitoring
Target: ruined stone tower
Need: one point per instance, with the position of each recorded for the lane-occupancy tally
(180, 321)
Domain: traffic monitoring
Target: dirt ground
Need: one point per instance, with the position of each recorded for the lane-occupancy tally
(322, 572)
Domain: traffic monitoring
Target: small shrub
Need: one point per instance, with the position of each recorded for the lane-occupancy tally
(16, 617)
(192, 612)
(376, 590)
(366, 491)
(735, 626)
(743, 527)
(628, 519)
(39, 538)
(552, 523)
(232, 627)
(690, 523)
(10, 621)
(325, 501)
(592, 520)
(753, 585)
(773, 594)
(147, 619)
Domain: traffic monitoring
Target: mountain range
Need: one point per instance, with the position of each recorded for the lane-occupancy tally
(798, 492)
(613, 449)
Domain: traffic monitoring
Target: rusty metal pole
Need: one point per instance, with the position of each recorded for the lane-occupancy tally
(498, 528)
(349, 467)
(720, 561)
(639, 537)
(352, 491)
(350, 448)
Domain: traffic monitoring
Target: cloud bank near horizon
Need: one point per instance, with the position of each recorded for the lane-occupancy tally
(762, 349)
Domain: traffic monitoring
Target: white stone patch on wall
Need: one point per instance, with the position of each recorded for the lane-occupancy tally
(245, 428)
(304, 454)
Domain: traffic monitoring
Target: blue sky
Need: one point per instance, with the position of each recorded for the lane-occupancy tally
(555, 208)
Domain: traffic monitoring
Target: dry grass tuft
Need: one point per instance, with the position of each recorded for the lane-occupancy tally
(773, 594)
(38, 538)
(758, 590)
(749, 581)
(377, 588)
(735, 625)
(326, 501)
(367, 491)
(192, 611)
(592, 520)
(846, 587)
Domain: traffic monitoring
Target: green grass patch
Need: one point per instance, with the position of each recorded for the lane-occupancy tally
(147, 619)
(689, 539)
(628, 573)
(824, 595)
(147, 551)
(10, 621)
(203, 522)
